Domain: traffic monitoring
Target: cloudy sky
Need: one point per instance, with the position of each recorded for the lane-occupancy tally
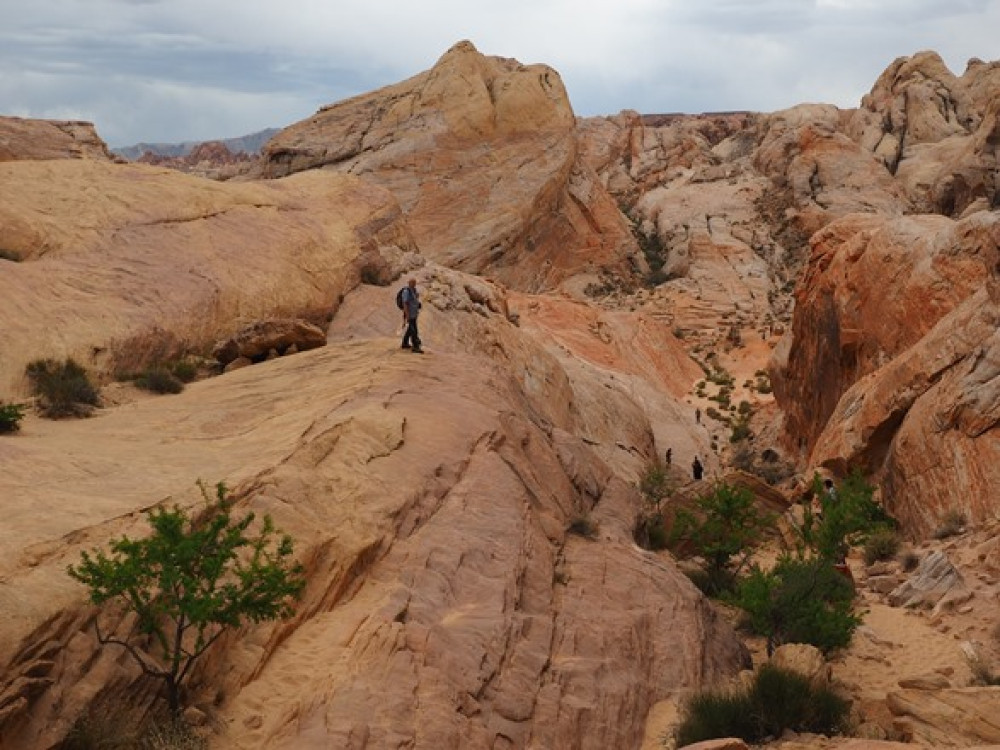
(176, 70)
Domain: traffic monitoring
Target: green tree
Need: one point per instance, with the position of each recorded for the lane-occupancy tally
(724, 523)
(190, 581)
(848, 518)
(655, 486)
(799, 601)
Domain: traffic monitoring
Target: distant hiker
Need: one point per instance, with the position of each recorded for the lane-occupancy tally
(697, 469)
(670, 455)
(410, 299)
(697, 416)
(829, 491)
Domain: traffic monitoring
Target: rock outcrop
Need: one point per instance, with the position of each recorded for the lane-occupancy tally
(26, 139)
(481, 153)
(123, 262)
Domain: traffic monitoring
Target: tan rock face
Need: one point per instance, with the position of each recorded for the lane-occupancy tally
(23, 139)
(480, 152)
(122, 261)
(447, 606)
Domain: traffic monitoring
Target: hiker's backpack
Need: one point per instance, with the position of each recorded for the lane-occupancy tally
(399, 297)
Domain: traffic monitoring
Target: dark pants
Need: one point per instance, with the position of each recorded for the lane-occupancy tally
(411, 336)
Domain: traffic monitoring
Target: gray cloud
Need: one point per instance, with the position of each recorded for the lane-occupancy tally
(171, 70)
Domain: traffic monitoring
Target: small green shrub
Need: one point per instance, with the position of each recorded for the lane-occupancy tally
(777, 700)
(724, 525)
(159, 380)
(848, 518)
(10, 417)
(63, 389)
(881, 544)
(716, 584)
(799, 601)
(184, 370)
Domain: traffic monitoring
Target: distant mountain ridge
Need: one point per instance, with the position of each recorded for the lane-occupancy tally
(251, 144)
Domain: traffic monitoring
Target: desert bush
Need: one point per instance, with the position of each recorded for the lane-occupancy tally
(583, 526)
(723, 528)
(190, 581)
(64, 389)
(846, 520)
(185, 370)
(952, 523)
(159, 380)
(909, 560)
(649, 531)
(799, 601)
(983, 674)
(717, 584)
(881, 544)
(10, 417)
(775, 701)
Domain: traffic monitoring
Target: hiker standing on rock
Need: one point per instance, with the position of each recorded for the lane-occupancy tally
(411, 308)
(697, 470)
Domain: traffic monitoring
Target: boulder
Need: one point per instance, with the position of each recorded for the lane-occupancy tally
(805, 659)
(259, 339)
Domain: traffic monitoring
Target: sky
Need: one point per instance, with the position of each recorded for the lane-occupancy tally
(190, 70)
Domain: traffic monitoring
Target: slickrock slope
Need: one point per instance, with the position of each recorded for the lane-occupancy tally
(447, 606)
(480, 152)
(24, 139)
(122, 261)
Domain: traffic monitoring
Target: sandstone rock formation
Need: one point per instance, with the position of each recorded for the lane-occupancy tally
(431, 497)
(480, 152)
(122, 262)
(24, 139)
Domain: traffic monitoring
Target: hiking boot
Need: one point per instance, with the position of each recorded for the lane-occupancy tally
(405, 346)
(417, 350)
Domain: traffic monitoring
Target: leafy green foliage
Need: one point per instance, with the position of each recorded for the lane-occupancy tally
(777, 700)
(64, 389)
(847, 518)
(881, 544)
(190, 580)
(10, 417)
(655, 486)
(159, 380)
(724, 524)
(800, 601)
(184, 370)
